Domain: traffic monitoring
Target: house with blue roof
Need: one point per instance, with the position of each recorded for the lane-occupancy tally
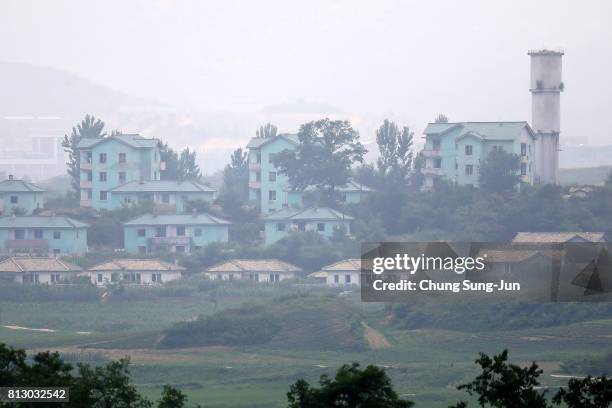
(350, 193)
(42, 235)
(453, 151)
(166, 195)
(20, 196)
(113, 161)
(322, 220)
(179, 233)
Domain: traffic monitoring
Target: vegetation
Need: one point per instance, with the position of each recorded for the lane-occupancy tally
(499, 171)
(179, 166)
(266, 131)
(441, 118)
(593, 365)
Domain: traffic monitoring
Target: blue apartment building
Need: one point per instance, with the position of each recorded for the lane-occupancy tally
(453, 151)
(113, 161)
(166, 195)
(42, 235)
(20, 196)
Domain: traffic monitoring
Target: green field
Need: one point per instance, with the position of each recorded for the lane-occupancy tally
(425, 364)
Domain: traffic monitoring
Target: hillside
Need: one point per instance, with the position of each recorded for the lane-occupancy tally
(585, 175)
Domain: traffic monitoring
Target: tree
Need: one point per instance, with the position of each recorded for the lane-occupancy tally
(323, 158)
(171, 161)
(608, 180)
(181, 166)
(441, 118)
(586, 392)
(171, 398)
(352, 387)
(504, 385)
(395, 148)
(88, 128)
(234, 195)
(499, 171)
(266, 131)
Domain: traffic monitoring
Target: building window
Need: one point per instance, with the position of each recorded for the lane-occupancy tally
(301, 226)
(180, 249)
(469, 169)
(469, 149)
(57, 235)
(122, 177)
(523, 169)
(102, 157)
(320, 226)
(347, 278)
(100, 278)
(103, 195)
(14, 199)
(55, 278)
(156, 277)
(436, 145)
(114, 277)
(20, 234)
(127, 199)
(166, 198)
(272, 176)
(280, 226)
(142, 249)
(274, 277)
(160, 231)
(180, 231)
(437, 163)
(523, 149)
(272, 195)
(56, 251)
(38, 234)
(122, 158)
(102, 176)
(142, 232)
(197, 232)
(336, 278)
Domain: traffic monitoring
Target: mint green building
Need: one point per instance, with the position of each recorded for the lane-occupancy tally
(454, 150)
(322, 220)
(180, 233)
(112, 161)
(351, 193)
(20, 195)
(167, 195)
(42, 235)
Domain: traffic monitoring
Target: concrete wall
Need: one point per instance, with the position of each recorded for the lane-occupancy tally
(146, 277)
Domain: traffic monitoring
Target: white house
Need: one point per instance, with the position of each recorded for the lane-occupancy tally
(134, 272)
(254, 270)
(343, 273)
(37, 270)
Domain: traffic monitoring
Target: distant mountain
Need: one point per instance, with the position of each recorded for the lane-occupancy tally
(585, 156)
(30, 90)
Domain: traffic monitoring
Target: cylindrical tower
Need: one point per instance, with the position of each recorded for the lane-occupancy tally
(546, 87)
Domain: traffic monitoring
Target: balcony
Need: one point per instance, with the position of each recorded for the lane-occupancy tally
(35, 244)
(254, 166)
(431, 153)
(255, 184)
(85, 203)
(85, 184)
(85, 165)
(430, 171)
(170, 241)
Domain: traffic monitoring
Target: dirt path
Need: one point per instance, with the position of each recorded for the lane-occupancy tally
(375, 339)
(10, 327)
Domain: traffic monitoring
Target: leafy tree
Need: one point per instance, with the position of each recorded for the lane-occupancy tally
(587, 392)
(171, 160)
(181, 166)
(171, 398)
(441, 118)
(395, 148)
(234, 195)
(327, 149)
(266, 131)
(352, 387)
(504, 385)
(499, 171)
(90, 127)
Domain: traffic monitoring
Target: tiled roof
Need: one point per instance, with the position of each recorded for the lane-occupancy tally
(18, 186)
(258, 142)
(254, 265)
(177, 219)
(136, 265)
(162, 186)
(132, 140)
(507, 255)
(345, 265)
(308, 214)
(558, 237)
(484, 130)
(18, 265)
(34, 221)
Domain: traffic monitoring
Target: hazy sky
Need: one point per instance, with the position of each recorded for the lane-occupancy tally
(410, 59)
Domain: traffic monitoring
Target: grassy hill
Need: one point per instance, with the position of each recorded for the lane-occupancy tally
(584, 175)
(305, 322)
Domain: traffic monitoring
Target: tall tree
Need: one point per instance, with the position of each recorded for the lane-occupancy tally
(395, 148)
(234, 193)
(499, 171)
(90, 127)
(441, 118)
(188, 169)
(266, 131)
(352, 387)
(323, 158)
(171, 161)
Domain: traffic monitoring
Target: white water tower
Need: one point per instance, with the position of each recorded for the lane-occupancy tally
(546, 86)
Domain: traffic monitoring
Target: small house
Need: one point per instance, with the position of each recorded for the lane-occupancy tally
(37, 270)
(134, 272)
(254, 270)
(342, 273)
(20, 195)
